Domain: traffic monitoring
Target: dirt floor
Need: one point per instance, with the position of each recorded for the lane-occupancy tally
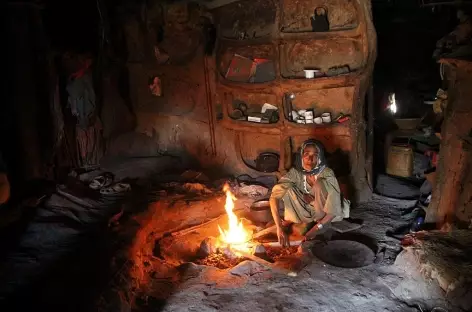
(157, 276)
(137, 262)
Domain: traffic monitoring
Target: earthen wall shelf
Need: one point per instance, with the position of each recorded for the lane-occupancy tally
(359, 78)
(287, 128)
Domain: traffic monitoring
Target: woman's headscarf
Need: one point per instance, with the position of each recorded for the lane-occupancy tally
(321, 157)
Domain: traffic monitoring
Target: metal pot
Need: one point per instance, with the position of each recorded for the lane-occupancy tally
(267, 162)
(260, 212)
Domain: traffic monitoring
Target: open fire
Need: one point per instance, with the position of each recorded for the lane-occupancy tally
(235, 244)
(236, 236)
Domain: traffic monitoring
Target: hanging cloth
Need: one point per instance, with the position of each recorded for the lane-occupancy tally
(82, 99)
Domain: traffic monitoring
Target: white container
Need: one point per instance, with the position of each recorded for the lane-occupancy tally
(326, 117)
(309, 121)
(300, 121)
(294, 115)
(311, 73)
(254, 119)
(268, 106)
(309, 114)
(302, 112)
(318, 120)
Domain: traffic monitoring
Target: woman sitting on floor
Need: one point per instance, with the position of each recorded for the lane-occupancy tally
(308, 193)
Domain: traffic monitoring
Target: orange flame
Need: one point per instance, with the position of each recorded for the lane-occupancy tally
(236, 235)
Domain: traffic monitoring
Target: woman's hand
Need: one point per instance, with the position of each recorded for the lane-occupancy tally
(284, 241)
(311, 179)
(311, 234)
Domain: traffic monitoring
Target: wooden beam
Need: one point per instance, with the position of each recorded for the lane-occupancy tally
(270, 229)
(196, 227)
(277, 244)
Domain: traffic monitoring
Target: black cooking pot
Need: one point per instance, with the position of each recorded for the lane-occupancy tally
(267, 162)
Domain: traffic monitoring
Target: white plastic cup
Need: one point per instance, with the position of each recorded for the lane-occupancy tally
(326, 117)
(309, 73)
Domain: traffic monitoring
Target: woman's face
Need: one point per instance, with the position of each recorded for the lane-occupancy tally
(309, 158)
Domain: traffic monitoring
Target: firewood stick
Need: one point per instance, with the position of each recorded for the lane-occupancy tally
(270, 229)
(267, 264)
(277, 244)
(193, 228)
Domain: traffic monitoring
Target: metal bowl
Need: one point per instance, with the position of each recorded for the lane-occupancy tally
(260, 212)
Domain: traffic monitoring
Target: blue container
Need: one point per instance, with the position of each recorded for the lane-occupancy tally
(416, 226)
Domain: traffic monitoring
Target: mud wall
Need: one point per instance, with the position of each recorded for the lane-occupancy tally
(178, 122)
(191, 118)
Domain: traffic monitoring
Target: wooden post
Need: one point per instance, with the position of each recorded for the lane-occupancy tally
(448, 203)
